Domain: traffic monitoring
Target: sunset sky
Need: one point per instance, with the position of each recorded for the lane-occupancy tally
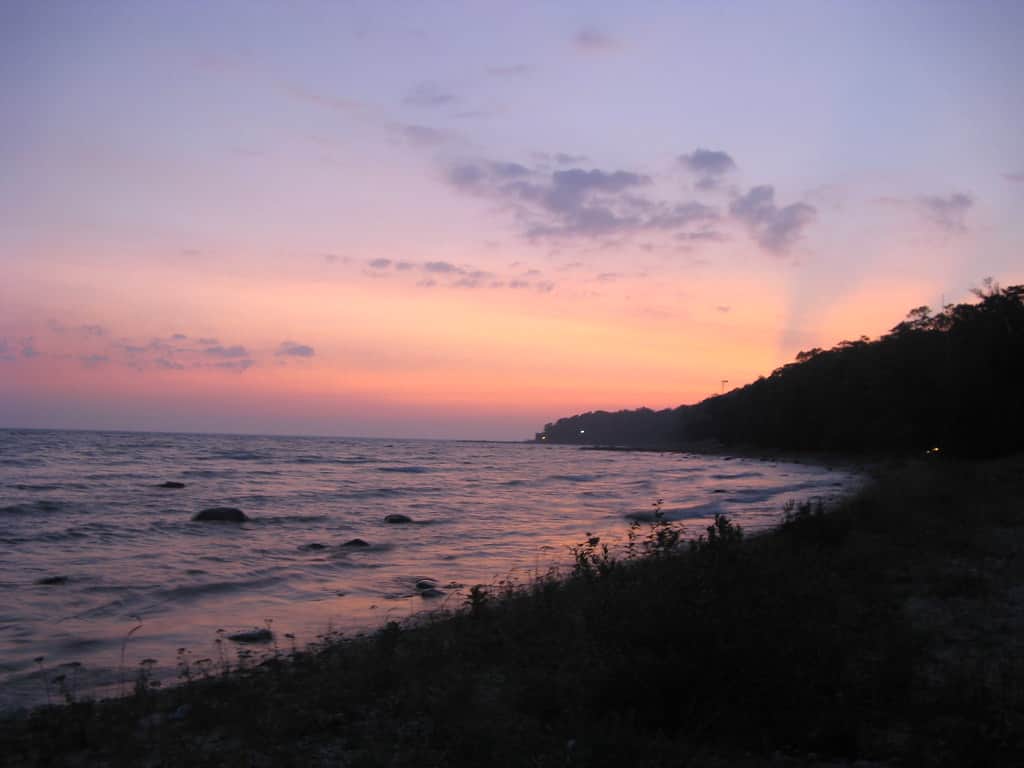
(465, 219)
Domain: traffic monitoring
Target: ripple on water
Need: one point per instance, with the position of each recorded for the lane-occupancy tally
(482, 510)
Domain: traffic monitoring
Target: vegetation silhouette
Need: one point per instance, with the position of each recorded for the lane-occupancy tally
(950, 381)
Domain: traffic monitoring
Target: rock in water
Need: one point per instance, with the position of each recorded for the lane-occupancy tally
(355, 543)
(220, 515)
(432, 592)
(423, 584)
(252, 636)
(397, 519)
(313, 547)
(52, 580)
(171, 484)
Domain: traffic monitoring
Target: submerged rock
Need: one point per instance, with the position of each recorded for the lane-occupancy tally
(52, 580)
(252, 636)
(171, 484)
(355, 543)
(313, 547)
(425, 584)
(396, 519)
(220, 515)
(432, 592)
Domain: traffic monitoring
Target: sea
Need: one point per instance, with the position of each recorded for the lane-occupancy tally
(104, 574)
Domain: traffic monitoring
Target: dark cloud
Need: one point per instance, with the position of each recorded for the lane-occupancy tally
(441, 268)
(711, 162)
(775, 229)
(233, 351)
(236, 365)
(704, 235)
(170, 365)
(380, 263)
(473, 279)
(514, 70)
(94, 361)
(179, 337)
(403, 266)
(947, 212)
(208, 341)
(569, 188)
(83, 330)
(575, 202)
(421, 135)
(294, 349)
(563, 158)
(592, 39)
(428, 95)
(509, 170)
(708, 165)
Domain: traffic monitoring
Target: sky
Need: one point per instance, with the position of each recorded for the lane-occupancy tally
(465, 219)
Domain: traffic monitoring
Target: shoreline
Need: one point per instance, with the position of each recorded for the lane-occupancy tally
(904, 569)
(534, 504)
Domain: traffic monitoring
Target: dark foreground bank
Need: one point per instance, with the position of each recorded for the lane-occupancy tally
(888, 630)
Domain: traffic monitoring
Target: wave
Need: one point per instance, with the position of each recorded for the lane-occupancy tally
(35, 507)
(188, 592)
(240, 456)
(573, 478)
(372, 493)
(284, 519)
(22, 463)
(412, 470)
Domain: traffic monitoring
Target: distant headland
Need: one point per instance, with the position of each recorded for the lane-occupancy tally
(948, 382)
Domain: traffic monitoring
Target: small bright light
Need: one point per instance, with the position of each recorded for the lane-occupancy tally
(581, 431)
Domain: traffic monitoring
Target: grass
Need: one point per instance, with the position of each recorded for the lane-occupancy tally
(887, 629)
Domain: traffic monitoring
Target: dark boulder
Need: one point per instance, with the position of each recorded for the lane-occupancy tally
(50, 581)
(426, 584)
(396, 519)
(355, 543)
(220, 515)
(313, 546)
(432, 592)
(171, 484)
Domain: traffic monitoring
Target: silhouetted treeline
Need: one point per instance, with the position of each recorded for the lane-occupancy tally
(952, 380)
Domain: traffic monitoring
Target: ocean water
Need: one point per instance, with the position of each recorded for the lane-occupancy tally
(100, 568)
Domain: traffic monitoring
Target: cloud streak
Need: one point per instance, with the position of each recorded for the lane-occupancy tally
(593, 40)
(429, 95)
(294, 349)
(948, 213)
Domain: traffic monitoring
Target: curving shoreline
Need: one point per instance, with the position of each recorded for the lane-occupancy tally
(886, 629)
